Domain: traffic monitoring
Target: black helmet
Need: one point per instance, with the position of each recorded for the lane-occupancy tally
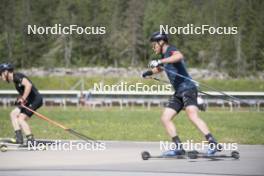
(157, 36)
(6, 66)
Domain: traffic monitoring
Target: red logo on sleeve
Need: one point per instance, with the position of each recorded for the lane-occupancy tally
(173, 52)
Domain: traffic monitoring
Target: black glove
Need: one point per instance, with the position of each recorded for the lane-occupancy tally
(147, 73)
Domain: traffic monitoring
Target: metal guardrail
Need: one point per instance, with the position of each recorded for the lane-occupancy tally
(77, 92)
(146, 99)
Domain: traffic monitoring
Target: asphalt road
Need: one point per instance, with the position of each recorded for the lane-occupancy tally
(124, 158)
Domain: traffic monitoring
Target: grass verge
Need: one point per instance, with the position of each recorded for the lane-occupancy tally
(141, 125)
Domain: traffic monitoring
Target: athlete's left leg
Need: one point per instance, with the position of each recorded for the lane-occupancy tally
(192, 113)
(190, 104)
(22, 119)
(14, 119)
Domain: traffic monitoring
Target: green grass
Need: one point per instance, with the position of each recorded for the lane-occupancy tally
(141, 125)
(66, 82)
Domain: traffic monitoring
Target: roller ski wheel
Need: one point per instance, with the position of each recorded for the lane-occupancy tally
(145, 155)
(3, 148)
(235, 154)
(193, 154)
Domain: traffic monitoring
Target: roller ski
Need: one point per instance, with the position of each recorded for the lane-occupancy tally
(18, 144)
(191, 155)
(13, 141)
(20, 147)
(233, 155)
(171, 154)
(212, 152)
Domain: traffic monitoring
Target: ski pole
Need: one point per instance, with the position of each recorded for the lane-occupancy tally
(71, 131)
(203, 92)
(234, 99)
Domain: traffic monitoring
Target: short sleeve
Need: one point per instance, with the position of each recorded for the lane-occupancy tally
(18, 78)
(172, 49)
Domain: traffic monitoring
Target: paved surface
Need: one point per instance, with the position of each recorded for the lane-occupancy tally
(123, 158)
